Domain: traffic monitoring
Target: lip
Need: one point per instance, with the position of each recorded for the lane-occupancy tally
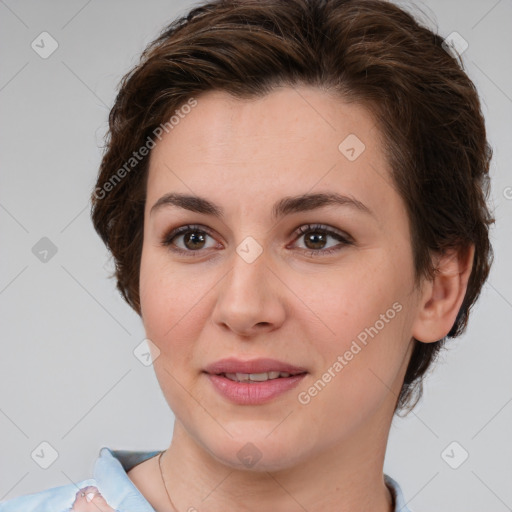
(261, 365)
(253, 393)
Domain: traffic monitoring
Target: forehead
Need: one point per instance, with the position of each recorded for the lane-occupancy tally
(296, 140)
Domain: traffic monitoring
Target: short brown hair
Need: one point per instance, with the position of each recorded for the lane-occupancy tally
(367, 51)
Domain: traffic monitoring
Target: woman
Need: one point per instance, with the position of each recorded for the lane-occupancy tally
(295, 197)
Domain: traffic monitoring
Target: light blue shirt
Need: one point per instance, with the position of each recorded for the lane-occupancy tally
(111, 479)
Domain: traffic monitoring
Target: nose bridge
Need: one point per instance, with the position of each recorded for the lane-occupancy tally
(249, 269)
(248, 298)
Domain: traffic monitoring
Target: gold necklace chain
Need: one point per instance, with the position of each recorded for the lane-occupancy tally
(163, 480)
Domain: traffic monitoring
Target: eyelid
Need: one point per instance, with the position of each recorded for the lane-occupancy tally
(306, 228)
(183, 229)
(343, 238)
(180, 230)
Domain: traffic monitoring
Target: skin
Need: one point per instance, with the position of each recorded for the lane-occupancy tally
(287, 304)
(92, 501)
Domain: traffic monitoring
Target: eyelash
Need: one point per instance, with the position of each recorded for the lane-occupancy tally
(345, 240)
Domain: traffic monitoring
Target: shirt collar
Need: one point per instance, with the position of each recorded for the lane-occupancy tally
(110, 472)
(400, 505)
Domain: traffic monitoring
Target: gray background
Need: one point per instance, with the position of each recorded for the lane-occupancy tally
(68, 375)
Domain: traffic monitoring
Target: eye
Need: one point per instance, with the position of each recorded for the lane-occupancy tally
(191, 239)
(188, 239)
(316, 238)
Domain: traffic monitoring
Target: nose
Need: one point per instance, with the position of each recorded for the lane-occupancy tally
(250, 298)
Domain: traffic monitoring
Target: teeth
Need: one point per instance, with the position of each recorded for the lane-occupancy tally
(255, 377)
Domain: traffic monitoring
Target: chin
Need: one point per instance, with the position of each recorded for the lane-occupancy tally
(254, 450)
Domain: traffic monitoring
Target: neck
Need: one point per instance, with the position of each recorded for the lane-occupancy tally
(347, 477)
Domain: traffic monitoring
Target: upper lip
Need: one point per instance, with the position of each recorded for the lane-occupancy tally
(262, 365)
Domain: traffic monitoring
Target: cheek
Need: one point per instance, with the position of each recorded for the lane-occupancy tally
(364, 314)
(162, 296)
(352, 297)
(173, 302)
(170, 320)
(360, 371)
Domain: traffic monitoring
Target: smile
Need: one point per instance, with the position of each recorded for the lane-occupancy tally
(256, 377)
(254, 388)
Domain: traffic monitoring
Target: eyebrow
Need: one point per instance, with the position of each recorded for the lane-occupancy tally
(285, 206)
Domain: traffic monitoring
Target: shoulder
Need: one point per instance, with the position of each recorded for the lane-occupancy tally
(110, 487)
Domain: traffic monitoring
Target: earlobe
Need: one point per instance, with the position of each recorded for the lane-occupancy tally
(442, 296)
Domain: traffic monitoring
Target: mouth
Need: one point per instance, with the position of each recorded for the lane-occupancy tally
(258, 377)
(256, 370)
(253, 382)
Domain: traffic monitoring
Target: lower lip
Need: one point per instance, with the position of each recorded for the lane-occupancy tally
(245, 393)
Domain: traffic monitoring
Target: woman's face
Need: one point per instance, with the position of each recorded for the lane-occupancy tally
(321, 284)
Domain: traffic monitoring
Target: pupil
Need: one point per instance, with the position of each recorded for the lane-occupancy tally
(194, 238)
(316, 238)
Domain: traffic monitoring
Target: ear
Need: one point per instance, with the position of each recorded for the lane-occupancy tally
(441, 297)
